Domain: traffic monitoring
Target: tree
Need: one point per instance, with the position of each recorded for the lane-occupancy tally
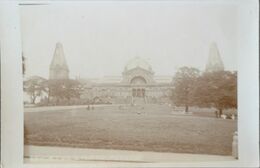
(64, 89)
(183, 83)
(34, 87)
(216, 89)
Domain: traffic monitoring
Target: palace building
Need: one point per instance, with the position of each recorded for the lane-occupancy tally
(137, 84)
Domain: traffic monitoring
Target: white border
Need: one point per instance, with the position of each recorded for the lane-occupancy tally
(12, 107)
(11, 90)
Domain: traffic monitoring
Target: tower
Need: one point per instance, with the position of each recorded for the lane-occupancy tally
(215, 62)
(58, 67)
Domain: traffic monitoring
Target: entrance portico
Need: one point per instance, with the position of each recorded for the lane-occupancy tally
(138, 92)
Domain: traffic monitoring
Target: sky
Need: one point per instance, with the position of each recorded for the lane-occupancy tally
(99, 38)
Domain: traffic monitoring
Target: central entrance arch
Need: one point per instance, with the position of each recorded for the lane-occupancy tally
(137, 91)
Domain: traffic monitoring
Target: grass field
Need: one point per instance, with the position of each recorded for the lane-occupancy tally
(141, 128)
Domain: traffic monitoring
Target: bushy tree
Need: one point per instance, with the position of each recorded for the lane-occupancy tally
(183, 82)
(216, 89)
(64, 89)
(35, 87)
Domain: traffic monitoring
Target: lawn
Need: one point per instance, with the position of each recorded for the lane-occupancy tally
(141, 128)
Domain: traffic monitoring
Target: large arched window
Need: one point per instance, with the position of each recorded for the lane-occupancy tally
(138, 80)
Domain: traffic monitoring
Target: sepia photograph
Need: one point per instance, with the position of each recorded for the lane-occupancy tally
(130, 81)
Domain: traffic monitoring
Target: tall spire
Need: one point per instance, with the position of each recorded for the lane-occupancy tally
(59, 68)
(58, 57)
(215, 62)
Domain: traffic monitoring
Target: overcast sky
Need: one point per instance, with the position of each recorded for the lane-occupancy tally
(99, 38)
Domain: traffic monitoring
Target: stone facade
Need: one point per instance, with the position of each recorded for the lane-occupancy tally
(138, 84)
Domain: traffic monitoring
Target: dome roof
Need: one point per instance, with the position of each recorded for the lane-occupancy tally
(138, 62)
